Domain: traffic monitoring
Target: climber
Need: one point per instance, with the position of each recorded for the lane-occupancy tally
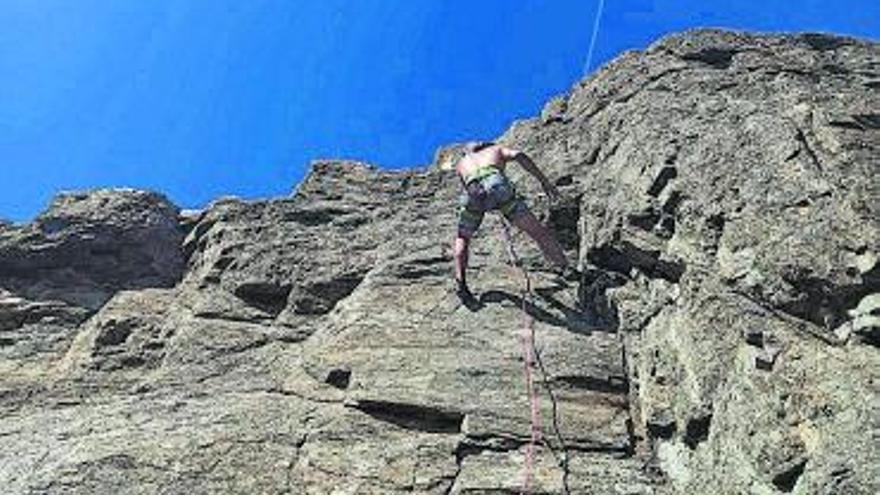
(481, 171)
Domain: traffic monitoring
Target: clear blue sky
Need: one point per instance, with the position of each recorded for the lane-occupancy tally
(202, 98)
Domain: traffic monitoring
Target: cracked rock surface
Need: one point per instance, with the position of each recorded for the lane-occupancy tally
(720, 194)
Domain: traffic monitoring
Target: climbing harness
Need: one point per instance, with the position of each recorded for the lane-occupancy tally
(481, 173)
(531, 356)
(487, 193)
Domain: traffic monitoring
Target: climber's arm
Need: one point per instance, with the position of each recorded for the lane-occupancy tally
(530, 167)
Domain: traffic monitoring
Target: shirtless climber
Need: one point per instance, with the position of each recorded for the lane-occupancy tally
(481, 171)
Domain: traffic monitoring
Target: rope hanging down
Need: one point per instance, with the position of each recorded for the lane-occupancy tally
(589, 63)
(531, 356)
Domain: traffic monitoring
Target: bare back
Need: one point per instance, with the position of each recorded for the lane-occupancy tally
(491, 156)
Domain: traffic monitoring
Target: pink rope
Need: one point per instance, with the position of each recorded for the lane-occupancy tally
(527, 338)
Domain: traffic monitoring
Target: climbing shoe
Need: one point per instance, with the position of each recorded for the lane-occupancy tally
(466, 296)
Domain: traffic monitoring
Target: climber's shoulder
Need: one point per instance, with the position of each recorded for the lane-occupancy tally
(506, 154)
(496, 154)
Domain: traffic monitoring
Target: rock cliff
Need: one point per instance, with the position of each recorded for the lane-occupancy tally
(720, 194)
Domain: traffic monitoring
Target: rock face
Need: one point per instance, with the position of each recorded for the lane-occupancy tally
(720, 195)
(87, 247)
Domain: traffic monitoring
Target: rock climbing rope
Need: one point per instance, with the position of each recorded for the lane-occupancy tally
(588, 65)
(531, 356)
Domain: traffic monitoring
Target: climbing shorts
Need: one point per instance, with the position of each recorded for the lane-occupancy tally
(492, 192)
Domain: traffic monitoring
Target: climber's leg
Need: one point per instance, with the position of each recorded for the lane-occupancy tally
(461, 289)
(470, 217)
(461, 259)
(526, 221)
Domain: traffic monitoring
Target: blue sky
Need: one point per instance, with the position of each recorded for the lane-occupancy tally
(204, 98)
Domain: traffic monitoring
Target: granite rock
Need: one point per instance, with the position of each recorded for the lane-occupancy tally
(720, 197)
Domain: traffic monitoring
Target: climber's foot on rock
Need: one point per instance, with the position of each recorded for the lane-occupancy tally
(466, 296)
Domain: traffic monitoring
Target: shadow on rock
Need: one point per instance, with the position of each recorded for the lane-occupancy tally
(572, 319)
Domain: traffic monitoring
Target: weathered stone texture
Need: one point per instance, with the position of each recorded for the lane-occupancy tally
(720, 194)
